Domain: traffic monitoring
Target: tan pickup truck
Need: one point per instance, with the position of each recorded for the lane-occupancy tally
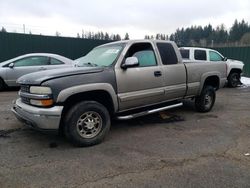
(123, 80)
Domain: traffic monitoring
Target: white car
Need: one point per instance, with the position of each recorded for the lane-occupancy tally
(12, 69)
(234, 67)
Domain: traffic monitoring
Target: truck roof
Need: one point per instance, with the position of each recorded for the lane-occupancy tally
(197, 48)
(137, 40)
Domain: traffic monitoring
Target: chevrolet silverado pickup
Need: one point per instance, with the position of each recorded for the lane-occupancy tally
(234, 67)
(122, 80)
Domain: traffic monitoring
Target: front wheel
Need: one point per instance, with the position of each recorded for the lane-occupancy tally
(233, 79)
(205, 102)
(87, 123)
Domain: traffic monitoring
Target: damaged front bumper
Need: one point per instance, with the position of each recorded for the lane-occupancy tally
(38, 118)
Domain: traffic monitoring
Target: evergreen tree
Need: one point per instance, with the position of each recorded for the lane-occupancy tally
(58, 34)
(126, 36)
(3, 30)
(83, 34)
(157, 37)
(102, 36)
(106, 37)
(118, 37)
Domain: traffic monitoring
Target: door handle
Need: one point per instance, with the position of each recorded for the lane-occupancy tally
(157, 73)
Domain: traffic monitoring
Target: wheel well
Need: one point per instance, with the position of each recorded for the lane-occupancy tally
(100, 96)
(235, 70)
(213, 81)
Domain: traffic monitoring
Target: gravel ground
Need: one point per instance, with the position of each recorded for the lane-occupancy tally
(192, 150)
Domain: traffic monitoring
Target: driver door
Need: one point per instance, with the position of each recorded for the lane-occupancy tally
(142, 85)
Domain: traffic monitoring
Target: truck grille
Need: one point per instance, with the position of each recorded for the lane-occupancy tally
(25, 100)
(25, 88)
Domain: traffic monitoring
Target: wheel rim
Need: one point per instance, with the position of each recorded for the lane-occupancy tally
(208, 100)
(89, 124)
(235, 80)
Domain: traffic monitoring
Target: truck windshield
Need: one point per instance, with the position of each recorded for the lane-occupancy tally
(101, 56)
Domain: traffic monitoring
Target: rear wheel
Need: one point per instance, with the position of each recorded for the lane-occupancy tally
(233, 79)
(205, 102)
(87, 123)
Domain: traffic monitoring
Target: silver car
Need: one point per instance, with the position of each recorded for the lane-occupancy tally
(12, 69)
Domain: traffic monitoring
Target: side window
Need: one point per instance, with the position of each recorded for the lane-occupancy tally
(213, 56)
(54, 61)
(32, 61)
(184, 53)
(200, 55)
(168, 54)
(144, 52)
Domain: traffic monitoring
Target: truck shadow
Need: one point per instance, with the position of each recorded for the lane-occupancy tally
(163, 117)
(158, 118)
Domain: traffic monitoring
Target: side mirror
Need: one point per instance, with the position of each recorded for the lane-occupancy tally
(11, 65)
(130, 62)
(225, 59)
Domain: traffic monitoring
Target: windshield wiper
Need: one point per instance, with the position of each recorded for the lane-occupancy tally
(90, 64)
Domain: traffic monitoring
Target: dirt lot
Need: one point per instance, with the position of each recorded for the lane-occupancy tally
(189, 150)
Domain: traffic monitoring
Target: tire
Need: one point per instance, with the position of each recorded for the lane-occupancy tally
(233, 79)
(87, 123)
(205, 102)
(2, 85)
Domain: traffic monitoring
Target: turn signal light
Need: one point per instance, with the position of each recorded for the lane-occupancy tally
(44, 102)
(47, 102)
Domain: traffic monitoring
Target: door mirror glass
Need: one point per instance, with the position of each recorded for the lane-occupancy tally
(11, 65)
(225, 58)
(130, 62)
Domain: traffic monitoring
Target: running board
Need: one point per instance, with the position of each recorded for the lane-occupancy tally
(131, 116)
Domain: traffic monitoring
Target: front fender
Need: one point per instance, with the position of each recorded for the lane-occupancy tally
(64, 94)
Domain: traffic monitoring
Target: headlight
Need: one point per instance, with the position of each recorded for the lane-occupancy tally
(40, 90)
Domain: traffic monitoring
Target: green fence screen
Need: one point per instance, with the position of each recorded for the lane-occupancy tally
(14, 44)
(238, 53)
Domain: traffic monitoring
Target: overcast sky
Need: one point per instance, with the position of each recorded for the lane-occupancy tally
(138, 18)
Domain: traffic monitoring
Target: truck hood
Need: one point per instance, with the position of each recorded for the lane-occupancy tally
(37, 78)
(235, 61)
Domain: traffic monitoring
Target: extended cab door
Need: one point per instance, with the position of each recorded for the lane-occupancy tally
(142, 85)
(174, 71)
